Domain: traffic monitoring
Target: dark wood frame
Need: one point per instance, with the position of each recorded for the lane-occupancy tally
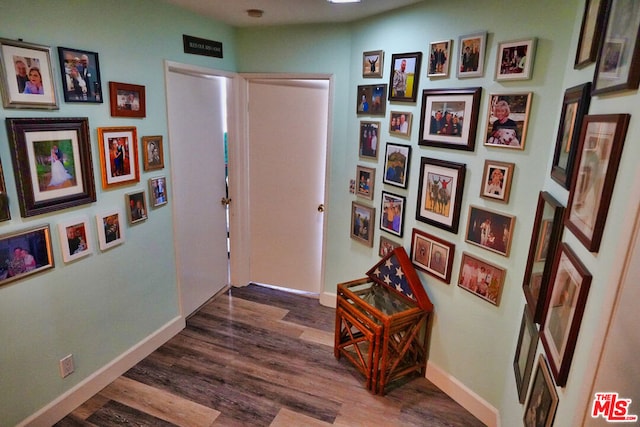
(147, 162)
(417, 255)
(476, 213)
(134, 175)
(590, 32)
(361, 152)
(583, 178)
(567, 270)
(527, 72)
(405, 170)
(510, 99)
(136, 196)
(447, 65)
(490, 166)
(542, 386)
(500, 278)
(471, 98)
(535, 284)
(368, 91)
(457, 171)
(115, 87)
(24, 165)
(417, 57)
(575, 106)
(94, 96)
(40, 247)
(526, 348)
(366, 66)
(372, 178)
(481, 54)
(372, 220)
(5, 211)
(395, 198)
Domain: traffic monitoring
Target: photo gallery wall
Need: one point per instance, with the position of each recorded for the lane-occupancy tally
(585, 161)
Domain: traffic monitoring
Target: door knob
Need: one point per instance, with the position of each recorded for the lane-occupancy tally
(321, 207)
(225, 202)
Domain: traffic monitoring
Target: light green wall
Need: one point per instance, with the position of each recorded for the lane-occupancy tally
(101, 305)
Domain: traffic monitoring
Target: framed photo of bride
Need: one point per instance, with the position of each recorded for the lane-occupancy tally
(52, 163)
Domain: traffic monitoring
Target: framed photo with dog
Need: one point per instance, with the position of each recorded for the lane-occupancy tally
(507, 120)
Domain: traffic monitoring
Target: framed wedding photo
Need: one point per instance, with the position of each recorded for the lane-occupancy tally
(471, 53)
(110, 229)
(158, 191)
(400, 123)
(371, 100)
(118, 156)
(26, 76)
(80, 72)
(439, 58)
(392, 213)
(481, 278)
(490, 230)
(396, 165)
(515, 60)
(404, 76)
(590, 32)
(432, 255)
(25, 252)
(372, 63)
(52, 163)
(366, 179)
(542, 402)
(127, 100)
(525, 353)
(368, 146)
(136, 206)
(496, 180)
(75, 240)
(363, 218)
(508, 120)
(152, 153)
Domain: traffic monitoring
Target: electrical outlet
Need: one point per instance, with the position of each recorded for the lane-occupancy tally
(66, 366)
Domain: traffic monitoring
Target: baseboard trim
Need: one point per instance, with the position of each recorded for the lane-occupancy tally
(469, 400)
(328, 299)
(67, 402)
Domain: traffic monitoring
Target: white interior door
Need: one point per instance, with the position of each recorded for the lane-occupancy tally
(287, 133)
(196, 104)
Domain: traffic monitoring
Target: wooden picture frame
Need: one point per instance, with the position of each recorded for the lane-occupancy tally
(52, 163)
(496, 180)
(386, 246)
(158, 194)
(17, 60)
(618, 63)
(439, 58)
(110, 229)
(24, 253)
(432, 255)
(515, 59)
(392, 213)
(127, 100)
(366, 179)
(372, 100)
(481, 278)
(591, 31)
(525, 353)
(5, 212)
(471, 53)
(404, 76)
(542, 402)
(369, 140)
(575, 106)
(118, 156)
(507, 120)
(80, 73)
(440, 193)
(449, 118)
(75, 239)
(397, 159)
(564, 309)
(136, 205)
(362, 219)
(545, 238)
(489, 229)
(599, 152)
(152, 152)
(400, 123)
(372, 64)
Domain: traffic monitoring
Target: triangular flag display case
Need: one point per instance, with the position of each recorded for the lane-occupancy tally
(381, 322)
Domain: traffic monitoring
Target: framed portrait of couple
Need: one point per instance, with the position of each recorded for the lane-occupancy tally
(118, 156)
(25, 252)
(80, 71)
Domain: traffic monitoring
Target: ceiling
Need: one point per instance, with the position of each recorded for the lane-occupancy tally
(285, 12)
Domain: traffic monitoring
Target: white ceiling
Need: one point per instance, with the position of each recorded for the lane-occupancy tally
(284, 12)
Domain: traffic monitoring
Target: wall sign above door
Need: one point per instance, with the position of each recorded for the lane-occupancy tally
(199, 46)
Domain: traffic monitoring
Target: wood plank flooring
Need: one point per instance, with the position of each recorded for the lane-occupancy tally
(257, 356)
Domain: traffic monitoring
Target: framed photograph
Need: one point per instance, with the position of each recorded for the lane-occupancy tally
(599, 151)
(440, 193)
(481, 278)
(490, 230)
(404, 76)
(545, 238)
(366, 178)
(507, 120)
(392, 213)
(396, 164)
(25, 252)
(525, 353)
(362, 219)
(386, 246)
(618, 64)
(369, 132)
(5, 212)
(590, 32)
(439, 58)
(52, 163)
(543, 398)
(432, 255)
(158, 191)
(372, 100)
(26, 76)
(400, 123)
(565, 306)
(80, 72)
(372, 63)
(118, 156)
(575, 106)
(110, 229)
(136, 206)
(449, 118)
(127, 100)
(515, 60)
(496, 180)
(75, 241)
(152, 154)
(471, 52)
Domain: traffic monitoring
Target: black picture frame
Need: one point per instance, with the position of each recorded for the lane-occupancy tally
(403, 85)
(392, 209)
(397, 159)
(525, 353)
(590, 32)
(80, 73)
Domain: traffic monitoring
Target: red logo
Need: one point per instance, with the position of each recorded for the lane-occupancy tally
(612, 408)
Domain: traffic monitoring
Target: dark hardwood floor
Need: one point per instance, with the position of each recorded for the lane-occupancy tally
(257, 356)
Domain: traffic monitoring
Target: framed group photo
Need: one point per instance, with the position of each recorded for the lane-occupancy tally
(439, 58)
(481, 278)
(80, 72)
(508, 120)
(496, 180)
(75, 240)
(110, 229)
(396, 164)
(363, 218)
(118, 156)
(400, 123)
(152, 152)
(432, 255)
(127, 100)
(368, 141)
(515, 60)
(490, 230)
(25, 252)
(366, 179)
(392, 213)
(372, 100)
(404, 76)
(471, 53)
(372, 64)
